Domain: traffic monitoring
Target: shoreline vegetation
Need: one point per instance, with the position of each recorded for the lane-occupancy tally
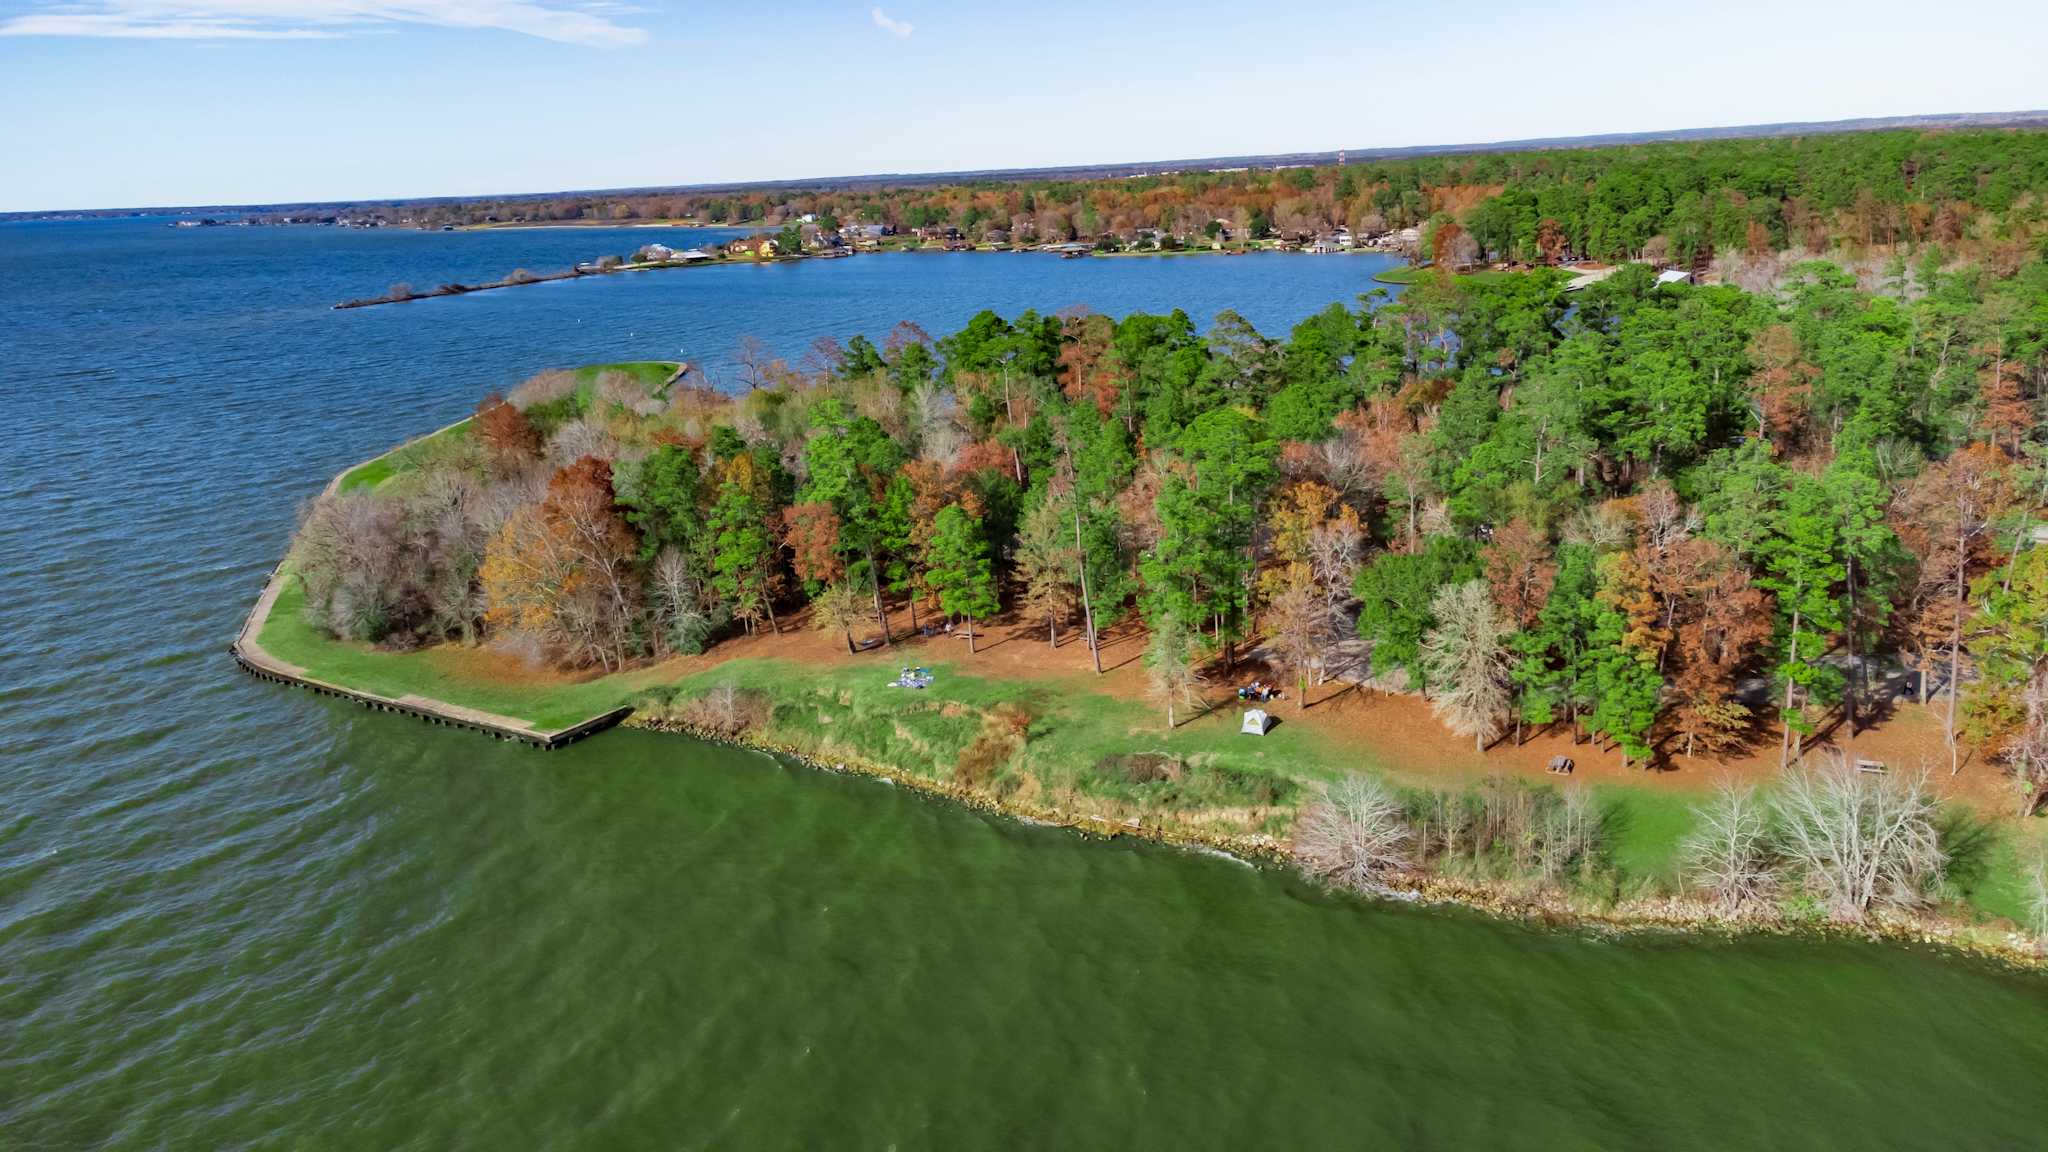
(1503, 899)
(568, 509)
(1708, 577)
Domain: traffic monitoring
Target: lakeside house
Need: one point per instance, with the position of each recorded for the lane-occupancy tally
(663, 254)
(759, 247)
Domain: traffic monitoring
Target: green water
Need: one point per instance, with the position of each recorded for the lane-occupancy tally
(646, 942)
(236, 916)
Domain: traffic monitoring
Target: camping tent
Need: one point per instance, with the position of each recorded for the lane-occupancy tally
(1256, 721)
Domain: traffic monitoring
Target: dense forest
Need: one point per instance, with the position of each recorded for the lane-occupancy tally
(1974, 190)
(1679, 520)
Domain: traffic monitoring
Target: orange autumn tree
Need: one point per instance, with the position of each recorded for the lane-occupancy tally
(509, 438)
(562, 571)
(1945, 518)
(1726, 622)
(1088, 367)
(1780, 387)
(1520, 569)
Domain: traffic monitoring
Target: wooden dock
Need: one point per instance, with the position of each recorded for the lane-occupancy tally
(249, 654)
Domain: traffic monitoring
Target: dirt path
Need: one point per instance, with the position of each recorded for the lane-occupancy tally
(1394, 730)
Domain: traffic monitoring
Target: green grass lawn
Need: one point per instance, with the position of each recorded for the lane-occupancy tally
(1075, 737)
(652, 375)
(401, 459)
(547, 705)
(1083, 751)
(1411, 274)
(649, 374)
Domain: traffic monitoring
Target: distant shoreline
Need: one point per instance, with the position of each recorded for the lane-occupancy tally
(458, 289)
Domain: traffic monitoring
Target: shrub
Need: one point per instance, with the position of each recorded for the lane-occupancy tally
(1728, 857)
(1353, 834)
(1004, 730)
(723, 711)
(1857, 840)
(546, 388)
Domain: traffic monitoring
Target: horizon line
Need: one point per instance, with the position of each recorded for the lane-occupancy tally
(1132, 168)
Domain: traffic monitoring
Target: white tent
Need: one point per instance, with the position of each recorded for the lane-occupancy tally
(1256, 721)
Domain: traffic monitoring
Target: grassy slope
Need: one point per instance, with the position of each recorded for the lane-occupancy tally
(375, 472)
(435, 673)
(1075, 734)
(649, 374)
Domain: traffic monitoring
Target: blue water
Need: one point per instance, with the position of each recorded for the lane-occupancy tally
(237, 916)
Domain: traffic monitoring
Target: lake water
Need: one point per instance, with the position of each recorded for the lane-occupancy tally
(232, 915)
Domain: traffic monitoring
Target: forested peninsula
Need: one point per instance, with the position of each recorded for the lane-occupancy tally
(1763, 569)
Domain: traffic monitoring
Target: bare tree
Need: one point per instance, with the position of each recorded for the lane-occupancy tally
(1048, 565)
(1570, 833)
(1174, 679)
(1298, 621)
(348, 555)
(1466, 659)
(545, 388)
(580, 438)
(755, 361)
(1728, 856)
(1858, 840)
(1352, 834)
(681, 623)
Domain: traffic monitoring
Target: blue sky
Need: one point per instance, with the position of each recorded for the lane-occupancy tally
(128, 102)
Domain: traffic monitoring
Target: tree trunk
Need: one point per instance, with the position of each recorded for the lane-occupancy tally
(875, 580)
(1955, 663)
(1052, 628)
(1855, 671)
(1785, 710)
(913, 610)
(769, 603)
(970, 635)
(849, 642)
(1087, 606)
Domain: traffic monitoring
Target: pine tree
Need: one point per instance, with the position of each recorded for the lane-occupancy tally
(961, 572)
(1625, 646)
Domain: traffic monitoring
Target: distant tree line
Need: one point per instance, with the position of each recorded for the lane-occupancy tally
(1978, 191)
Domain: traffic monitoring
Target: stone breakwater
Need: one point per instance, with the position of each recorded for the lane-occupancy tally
(1504, 899)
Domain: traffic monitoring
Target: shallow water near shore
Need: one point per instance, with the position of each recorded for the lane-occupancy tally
(237, 915)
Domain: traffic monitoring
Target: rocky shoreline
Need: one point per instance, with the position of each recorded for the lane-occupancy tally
(1543, 908)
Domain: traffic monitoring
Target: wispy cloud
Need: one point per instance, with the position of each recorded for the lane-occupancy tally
(565, 21)
(899, 28)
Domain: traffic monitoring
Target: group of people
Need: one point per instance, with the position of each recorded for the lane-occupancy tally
(1258, 690)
